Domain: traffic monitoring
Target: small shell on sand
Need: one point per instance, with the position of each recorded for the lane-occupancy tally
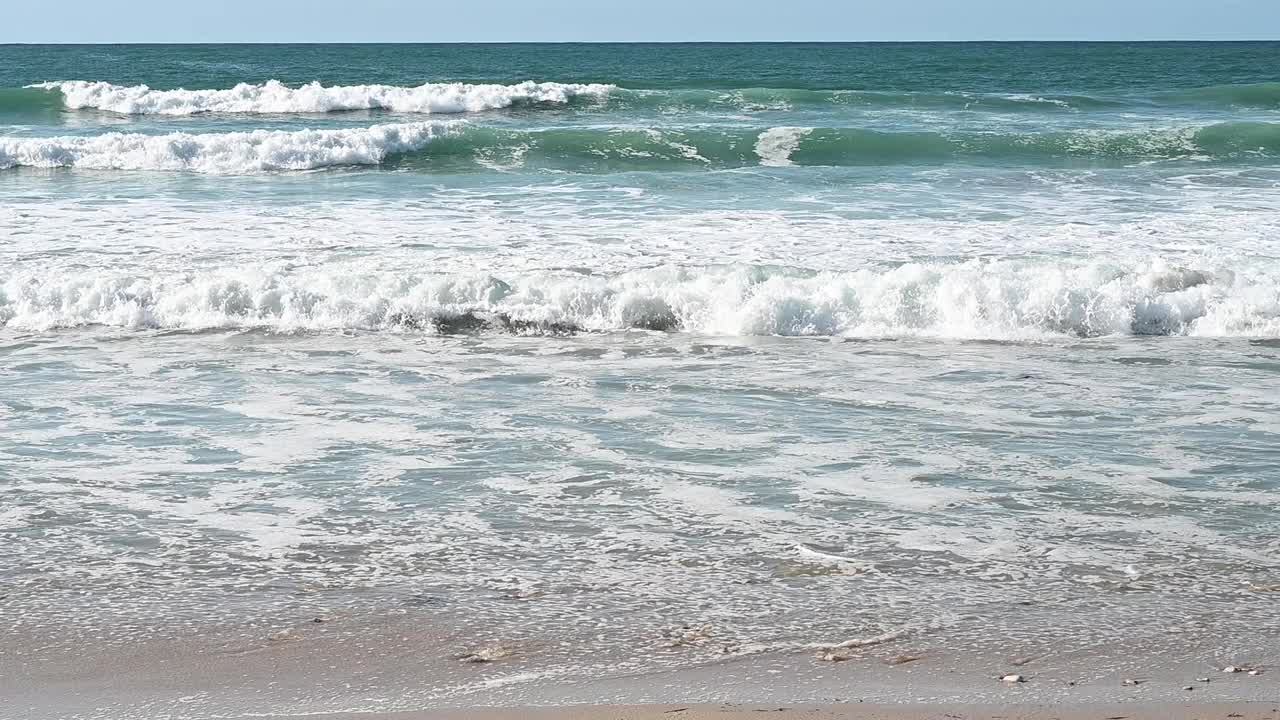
(903, 659)
(1202, 679)
(1013, 679)
(1131, 682)
(1189, 687)
(834, 655)
(1255, 672)
(845, 650)
(486, 654)
(686, 636)
(1232, 669)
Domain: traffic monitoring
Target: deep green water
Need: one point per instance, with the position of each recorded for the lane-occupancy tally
(1109, 68)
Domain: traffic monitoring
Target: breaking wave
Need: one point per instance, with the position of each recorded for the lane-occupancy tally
(275, 97)
(458, 146)
(221, 153)
(1006, 300)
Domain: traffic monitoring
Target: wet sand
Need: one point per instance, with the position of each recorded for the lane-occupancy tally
(1193, 711)
(409, 667)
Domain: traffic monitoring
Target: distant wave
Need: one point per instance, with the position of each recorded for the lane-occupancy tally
(274, 97)
(221, 153)
(459, 146)
(1008, 300)
(621, 148)
(761, 99)
(1243, 95)
(1248, 95)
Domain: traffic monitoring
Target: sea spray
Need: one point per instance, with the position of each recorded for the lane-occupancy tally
(221, 153)
(975, 299)
(275, 97)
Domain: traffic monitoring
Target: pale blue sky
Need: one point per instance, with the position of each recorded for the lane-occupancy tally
(629, 20)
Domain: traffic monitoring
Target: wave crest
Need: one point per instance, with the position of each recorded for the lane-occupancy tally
(458, 146)
(274, 97)
(221, 153)
(1006, 300)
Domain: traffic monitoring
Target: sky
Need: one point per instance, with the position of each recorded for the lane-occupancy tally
(633, 20)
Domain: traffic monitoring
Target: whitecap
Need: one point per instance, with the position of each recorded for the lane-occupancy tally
(274, 97)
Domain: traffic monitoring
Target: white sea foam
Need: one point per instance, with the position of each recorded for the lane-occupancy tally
(975, 299)
(221, 153)
(1036, 99)
(275, 97)
(775, 145)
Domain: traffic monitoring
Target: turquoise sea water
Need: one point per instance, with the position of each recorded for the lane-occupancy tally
(623, 360)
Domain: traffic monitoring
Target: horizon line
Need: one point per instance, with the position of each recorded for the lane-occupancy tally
(645, 42)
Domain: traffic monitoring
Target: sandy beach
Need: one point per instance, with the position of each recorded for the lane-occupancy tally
(1235, 711)
(415, 668)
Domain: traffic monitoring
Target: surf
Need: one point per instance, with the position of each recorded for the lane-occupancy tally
(274, 97)
(221, 153)
(459, 146)
(1009, 300)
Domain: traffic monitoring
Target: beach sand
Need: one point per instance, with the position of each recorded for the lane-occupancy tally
(1191, 711)
(369, 667)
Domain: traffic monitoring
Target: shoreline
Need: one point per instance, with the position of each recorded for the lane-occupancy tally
(427, 665)
(850, 711)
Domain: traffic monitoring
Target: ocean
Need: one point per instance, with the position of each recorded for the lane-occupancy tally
(383, 377)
